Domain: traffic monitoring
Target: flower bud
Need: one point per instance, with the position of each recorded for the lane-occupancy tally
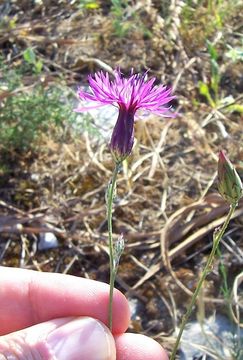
(122, 138)
(229, 183)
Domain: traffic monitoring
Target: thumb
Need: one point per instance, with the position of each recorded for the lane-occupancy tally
(60, 339)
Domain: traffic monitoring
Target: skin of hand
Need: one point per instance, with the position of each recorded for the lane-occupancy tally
(61, 317)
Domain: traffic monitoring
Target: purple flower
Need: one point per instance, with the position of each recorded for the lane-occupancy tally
(129, 95)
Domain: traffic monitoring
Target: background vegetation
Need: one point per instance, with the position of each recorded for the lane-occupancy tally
(55, 164)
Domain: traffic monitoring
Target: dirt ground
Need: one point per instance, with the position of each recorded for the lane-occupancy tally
(167, 204)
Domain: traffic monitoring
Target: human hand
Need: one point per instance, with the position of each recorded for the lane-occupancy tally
(61, 317)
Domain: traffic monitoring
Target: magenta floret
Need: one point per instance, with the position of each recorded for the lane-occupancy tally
(129, 95)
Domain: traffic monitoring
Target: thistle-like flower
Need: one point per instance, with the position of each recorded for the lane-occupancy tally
(129, 95)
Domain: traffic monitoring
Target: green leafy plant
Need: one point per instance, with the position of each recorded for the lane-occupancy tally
(120, 23)
(211, 90)
(126, 18)
(30, 57)
(29, 111)
(213, 14)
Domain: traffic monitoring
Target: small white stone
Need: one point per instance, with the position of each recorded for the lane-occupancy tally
(47, 241)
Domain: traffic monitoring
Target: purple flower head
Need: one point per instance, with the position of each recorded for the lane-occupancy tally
(129, 95)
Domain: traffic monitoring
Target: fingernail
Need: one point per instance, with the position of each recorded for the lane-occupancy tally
(82, 338)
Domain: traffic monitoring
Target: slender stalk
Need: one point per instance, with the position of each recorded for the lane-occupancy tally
(110, 197)
(217, 237)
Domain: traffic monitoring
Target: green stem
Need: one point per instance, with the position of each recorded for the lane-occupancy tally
(206, 270)
(110, 197)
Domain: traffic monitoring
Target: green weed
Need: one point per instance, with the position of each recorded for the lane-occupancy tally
(126, 18)
(31, 59)
(120, 22)
(27, 112)
(200, 20)
(211, 90)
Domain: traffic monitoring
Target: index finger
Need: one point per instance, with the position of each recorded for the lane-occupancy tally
(29, 297)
